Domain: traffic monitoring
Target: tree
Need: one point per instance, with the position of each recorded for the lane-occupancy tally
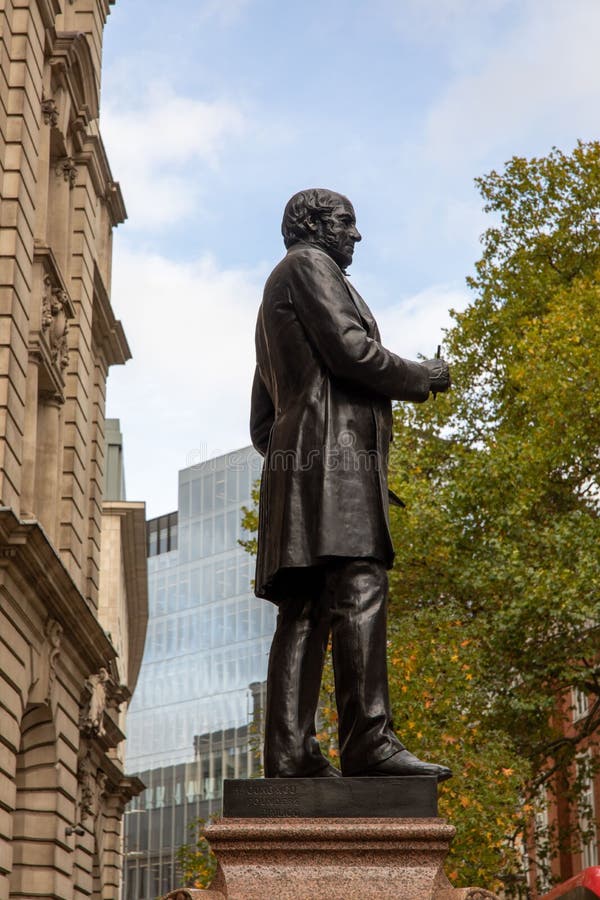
(196, 861)
(494, 596)
(501, 532)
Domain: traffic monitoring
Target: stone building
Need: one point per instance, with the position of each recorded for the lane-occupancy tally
(72, 568)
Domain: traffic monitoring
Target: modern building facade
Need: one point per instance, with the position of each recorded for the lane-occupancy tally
(195, 718)
(72, 568)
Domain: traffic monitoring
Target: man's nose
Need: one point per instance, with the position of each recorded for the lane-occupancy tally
(356, 235)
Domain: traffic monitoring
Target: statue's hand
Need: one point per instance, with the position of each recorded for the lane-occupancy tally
(439, 375)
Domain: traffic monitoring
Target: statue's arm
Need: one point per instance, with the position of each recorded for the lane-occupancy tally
(262, 414)
(335, 329)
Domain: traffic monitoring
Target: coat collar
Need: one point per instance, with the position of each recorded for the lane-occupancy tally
(363, 310)
(361, 307)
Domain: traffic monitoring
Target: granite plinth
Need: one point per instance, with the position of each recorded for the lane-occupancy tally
(333, 859)
(193, 894)
(330, 798)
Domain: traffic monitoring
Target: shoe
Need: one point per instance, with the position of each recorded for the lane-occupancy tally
(405, 763)
(328, 771)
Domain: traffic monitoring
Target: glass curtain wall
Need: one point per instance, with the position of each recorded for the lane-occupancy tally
(195, 715)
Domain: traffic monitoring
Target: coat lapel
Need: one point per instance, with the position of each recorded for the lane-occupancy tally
(363, 311)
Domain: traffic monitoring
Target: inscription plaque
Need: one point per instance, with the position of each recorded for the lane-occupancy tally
(387, 797)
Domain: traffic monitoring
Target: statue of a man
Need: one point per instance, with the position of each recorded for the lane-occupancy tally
(322, 418)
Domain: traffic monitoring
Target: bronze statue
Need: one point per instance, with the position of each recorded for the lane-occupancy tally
(322, 418)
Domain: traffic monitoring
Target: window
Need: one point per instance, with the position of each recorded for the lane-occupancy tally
(192, 790)
(196, 543)
(208, 491)
(220, 490)
(580, 704)
(196, 497)
(163, 540)
(587, 813)
(184, 500)
(542, 859)
(231, 479)
(219, 545)
(207, 537)
(233, 528)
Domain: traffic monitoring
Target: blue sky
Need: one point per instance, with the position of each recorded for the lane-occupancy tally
(215, 111)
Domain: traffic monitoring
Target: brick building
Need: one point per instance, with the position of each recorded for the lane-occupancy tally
(72, 567)
(565, 836)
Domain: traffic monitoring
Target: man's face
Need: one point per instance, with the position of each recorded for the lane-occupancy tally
(337, 233)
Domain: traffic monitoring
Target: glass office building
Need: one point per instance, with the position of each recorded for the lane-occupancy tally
(195, 716)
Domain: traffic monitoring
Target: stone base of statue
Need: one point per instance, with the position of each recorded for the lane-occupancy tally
(362, 838)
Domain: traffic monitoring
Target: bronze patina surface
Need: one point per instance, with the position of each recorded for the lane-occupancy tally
(322, 418)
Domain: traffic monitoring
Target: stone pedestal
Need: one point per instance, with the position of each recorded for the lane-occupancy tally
(333, 859)
(331, 839)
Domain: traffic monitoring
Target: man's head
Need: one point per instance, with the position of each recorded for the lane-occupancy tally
(323, 218)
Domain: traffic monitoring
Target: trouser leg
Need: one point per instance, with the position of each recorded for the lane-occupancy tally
(357, 594)
(294, 679)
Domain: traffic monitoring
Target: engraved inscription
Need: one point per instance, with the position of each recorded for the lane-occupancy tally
(274, 802)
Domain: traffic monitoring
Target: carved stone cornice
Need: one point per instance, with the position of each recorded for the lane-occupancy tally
(90, 152)
(34, 564)
(124, 789)
(107, 331)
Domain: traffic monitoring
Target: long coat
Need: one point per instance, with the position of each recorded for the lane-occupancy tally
(322, 417)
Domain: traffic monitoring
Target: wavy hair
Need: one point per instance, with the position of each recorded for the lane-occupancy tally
(305, 205)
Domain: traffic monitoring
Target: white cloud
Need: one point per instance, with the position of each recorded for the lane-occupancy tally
(538, 82)
(185, 394)
(161, 147)
(416, 324)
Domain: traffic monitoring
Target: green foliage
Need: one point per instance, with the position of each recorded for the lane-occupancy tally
(494, 596)
(195, 860)
(501, 533)
(250, 522)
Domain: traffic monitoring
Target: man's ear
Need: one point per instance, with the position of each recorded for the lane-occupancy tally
(311, 222)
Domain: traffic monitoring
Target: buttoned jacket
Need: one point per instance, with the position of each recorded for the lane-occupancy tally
(322, 417)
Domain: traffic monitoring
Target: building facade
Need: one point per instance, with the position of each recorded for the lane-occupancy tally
(72, 568)
(195, 718)
(567, 821)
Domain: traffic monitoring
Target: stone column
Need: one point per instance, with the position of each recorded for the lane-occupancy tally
(30, 428)
(48, 449)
